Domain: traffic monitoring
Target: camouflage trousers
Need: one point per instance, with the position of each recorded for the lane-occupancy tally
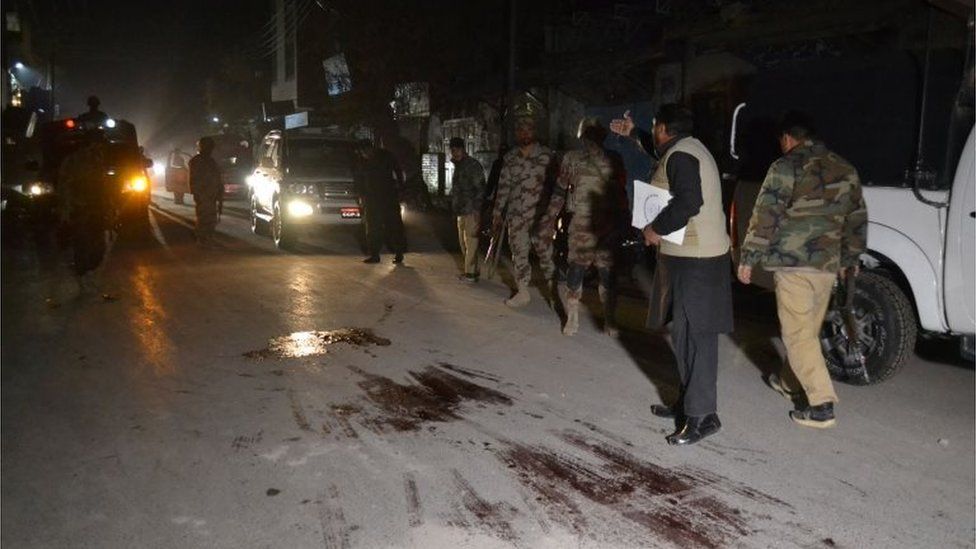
(585, 250)
(520, 240)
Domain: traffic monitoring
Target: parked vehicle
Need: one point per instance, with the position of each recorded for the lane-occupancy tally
(178, 175)
(303, 179)
(919, 271)
(233, 155)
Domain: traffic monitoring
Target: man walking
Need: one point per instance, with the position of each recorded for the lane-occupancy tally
(379, 180)
(692, 279)
(206, 186)
(467, 194)
(520, 186)
(809, 225)
(585, 188)
(87, 206)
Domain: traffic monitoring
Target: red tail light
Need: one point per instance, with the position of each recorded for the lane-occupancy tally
(69, 123)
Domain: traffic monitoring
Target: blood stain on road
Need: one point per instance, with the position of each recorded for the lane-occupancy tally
(314, 343)
(432, 395)
(670, 504)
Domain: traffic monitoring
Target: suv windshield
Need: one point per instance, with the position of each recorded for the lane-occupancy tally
(319, 158)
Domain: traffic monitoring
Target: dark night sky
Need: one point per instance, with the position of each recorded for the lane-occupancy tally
(147, 61)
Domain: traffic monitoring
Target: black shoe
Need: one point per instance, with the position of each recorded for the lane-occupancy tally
(695, 429)
(398, 259)
(469, 278)
(661, 410)
(820, 416)
(372, 259)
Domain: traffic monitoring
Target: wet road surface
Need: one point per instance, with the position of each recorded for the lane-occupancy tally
(246, 397)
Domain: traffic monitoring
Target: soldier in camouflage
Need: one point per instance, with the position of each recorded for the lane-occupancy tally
(584, 187)
(467, 194)
(809, 225)
(520, 187)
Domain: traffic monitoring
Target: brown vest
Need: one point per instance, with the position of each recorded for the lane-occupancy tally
(705, 235)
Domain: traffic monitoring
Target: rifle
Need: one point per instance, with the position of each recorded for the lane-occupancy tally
(495, 249)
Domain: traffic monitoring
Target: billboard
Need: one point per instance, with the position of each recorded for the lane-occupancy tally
(337, 77)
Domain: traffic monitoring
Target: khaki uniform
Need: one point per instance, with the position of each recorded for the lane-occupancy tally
(467, 194)
(520, 187)
(810, 221)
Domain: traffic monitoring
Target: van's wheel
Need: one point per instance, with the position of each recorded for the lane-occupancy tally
(886, 332)
(258, 225)
(281, 233)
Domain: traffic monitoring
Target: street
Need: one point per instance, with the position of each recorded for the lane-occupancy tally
(250, 397)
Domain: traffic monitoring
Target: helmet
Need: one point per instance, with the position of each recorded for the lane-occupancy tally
(592, 130)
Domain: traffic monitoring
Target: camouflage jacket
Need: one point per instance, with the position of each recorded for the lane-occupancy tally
(522, 181)
(584, 187)
(809, 213)
(467, 186)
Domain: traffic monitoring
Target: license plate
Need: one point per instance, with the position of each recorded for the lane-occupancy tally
(349, 213)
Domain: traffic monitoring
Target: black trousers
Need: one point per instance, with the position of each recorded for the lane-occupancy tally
(88, 243)
(384, 225)
(697, 356)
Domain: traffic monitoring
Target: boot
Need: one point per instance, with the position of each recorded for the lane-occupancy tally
(572, 316)
(520, 299)
(609, 310)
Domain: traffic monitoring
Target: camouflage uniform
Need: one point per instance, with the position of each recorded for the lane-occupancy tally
(809, 213)
(584, 187)
(809, 222)
(520, 188)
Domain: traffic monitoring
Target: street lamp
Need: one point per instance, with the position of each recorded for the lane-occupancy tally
(215, 120)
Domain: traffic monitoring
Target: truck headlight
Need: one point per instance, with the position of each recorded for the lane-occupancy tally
(38, 188)
(137, 184)
(298, 208)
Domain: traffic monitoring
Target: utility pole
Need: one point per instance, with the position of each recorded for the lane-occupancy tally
(510, 97)
(52, 63)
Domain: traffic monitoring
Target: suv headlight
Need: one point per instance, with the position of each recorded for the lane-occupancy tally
(299, 208)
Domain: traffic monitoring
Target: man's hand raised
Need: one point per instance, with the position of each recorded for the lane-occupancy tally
(622, 126)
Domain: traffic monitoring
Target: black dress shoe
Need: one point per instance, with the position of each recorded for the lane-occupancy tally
(695, 429)
(398, 258)
(661, 410)
(372, 259)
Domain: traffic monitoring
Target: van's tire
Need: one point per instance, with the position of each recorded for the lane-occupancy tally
(886, 331)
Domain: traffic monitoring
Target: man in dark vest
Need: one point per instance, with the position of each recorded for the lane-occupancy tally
(693, 285)
(206, 186)
(379, 180)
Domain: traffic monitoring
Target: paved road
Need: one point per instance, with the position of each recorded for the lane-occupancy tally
(246, 397)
